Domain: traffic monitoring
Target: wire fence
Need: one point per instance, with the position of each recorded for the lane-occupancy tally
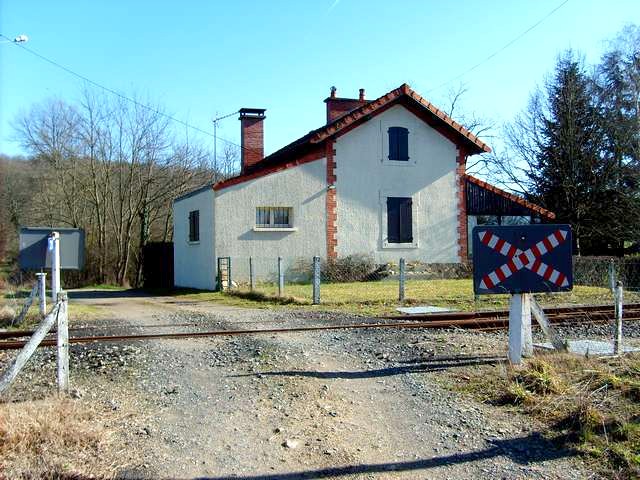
(364, 285)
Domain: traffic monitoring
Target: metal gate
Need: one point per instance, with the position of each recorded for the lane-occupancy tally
(224, 274)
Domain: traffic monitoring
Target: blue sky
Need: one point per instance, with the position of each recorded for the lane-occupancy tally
(199, 59)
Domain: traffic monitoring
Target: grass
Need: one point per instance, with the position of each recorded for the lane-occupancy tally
(589, 404)
(58, 438)
(381, 297)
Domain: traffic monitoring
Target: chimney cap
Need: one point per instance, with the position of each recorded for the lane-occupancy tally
(252, 112)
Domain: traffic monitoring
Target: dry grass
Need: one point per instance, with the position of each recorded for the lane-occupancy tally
(58, 439)
(590, 404)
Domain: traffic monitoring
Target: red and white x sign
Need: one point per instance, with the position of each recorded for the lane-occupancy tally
(529, 259)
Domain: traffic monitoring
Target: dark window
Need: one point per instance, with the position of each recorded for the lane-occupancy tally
(194, 226)
(399, 221)
(273, 217)
(398, 143)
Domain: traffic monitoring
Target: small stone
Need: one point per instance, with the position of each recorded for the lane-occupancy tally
(289, 443)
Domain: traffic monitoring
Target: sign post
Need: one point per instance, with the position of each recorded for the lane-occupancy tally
(53, 246)
(520, 260)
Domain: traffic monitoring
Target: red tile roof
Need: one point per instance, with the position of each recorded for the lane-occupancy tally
(510, 196)
(302, 147)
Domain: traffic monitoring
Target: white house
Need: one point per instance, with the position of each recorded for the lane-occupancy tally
(383, 177)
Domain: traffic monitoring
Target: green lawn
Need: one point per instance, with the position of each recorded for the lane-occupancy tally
(381, 297)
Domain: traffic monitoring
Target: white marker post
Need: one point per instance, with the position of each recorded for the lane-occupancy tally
(520, 339)
(54, 250)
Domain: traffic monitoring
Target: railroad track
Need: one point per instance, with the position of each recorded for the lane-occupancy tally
(480, 320)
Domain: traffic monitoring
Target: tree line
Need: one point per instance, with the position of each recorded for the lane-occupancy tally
(109, 166)
(575, 148)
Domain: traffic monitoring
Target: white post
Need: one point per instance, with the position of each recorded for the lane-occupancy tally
(42, 292)
(63, 345)
(617, 339)
(520, 340)
(54, 250)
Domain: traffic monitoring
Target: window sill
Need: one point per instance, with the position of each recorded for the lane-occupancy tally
(399, 163)
(189, 242)
(400, 246)
(276, 229)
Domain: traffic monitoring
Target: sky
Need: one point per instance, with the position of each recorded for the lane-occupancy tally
(202, 59)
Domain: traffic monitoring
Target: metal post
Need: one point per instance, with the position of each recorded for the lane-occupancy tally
(316, 280)
(280, 277)
(520, 340)
(42, 292)
(63, 345)
(401, 281)
(617, 339)
(252, 276)
(54, 250)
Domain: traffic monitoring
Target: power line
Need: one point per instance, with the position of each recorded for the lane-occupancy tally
(118, 94)
(503, 48)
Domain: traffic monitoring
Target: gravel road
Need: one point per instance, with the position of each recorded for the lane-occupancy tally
(335, 404)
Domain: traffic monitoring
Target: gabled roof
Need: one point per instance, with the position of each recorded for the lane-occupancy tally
(543, 212)
(403, 95)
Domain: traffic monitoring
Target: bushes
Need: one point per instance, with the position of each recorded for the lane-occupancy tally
(352, 268)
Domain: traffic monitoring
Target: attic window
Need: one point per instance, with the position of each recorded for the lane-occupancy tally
(398, 143)
(273, 217)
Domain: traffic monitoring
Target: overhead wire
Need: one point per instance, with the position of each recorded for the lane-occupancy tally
(501, 49)
(120, 95)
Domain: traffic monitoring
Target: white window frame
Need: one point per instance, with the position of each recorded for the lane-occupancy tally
(384, 224)
(384, 146)
(274, 227)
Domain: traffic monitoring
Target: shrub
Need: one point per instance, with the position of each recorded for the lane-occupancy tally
(352, 268)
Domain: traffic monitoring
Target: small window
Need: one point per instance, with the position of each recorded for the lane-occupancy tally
(399, 220)
(273, 217)
(398, 144)
(194, 226)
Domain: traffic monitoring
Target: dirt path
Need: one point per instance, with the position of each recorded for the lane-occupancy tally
(313, 405)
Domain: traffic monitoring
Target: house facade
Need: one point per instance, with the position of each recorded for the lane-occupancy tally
(384, 178)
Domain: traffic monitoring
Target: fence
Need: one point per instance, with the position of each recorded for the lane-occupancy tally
(359, 283)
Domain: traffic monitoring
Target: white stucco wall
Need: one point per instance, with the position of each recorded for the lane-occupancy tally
(194, 262)
(365, 177)
(304, 189)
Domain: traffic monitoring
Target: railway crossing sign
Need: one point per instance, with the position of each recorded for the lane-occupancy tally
(522, 259)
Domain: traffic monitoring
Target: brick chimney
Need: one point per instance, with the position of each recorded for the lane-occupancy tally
(251, 137)
(336, 107)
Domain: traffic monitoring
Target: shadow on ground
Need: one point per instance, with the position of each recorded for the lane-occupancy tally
(522, 450)
(418, 365)
(95, 294)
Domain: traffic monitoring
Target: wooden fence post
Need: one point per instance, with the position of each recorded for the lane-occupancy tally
(25, 308)
(617, 339)
(316, 280)
(280, 278)
(12, 372)
(42, 292)
(401, 280)
(252, 275)
(63, 344)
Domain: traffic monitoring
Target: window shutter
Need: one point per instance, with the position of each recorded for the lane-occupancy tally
(398, 143)
(393, 220)
(403, 144)
(406, 223)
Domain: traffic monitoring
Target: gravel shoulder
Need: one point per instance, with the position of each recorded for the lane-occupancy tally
(338, 404)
